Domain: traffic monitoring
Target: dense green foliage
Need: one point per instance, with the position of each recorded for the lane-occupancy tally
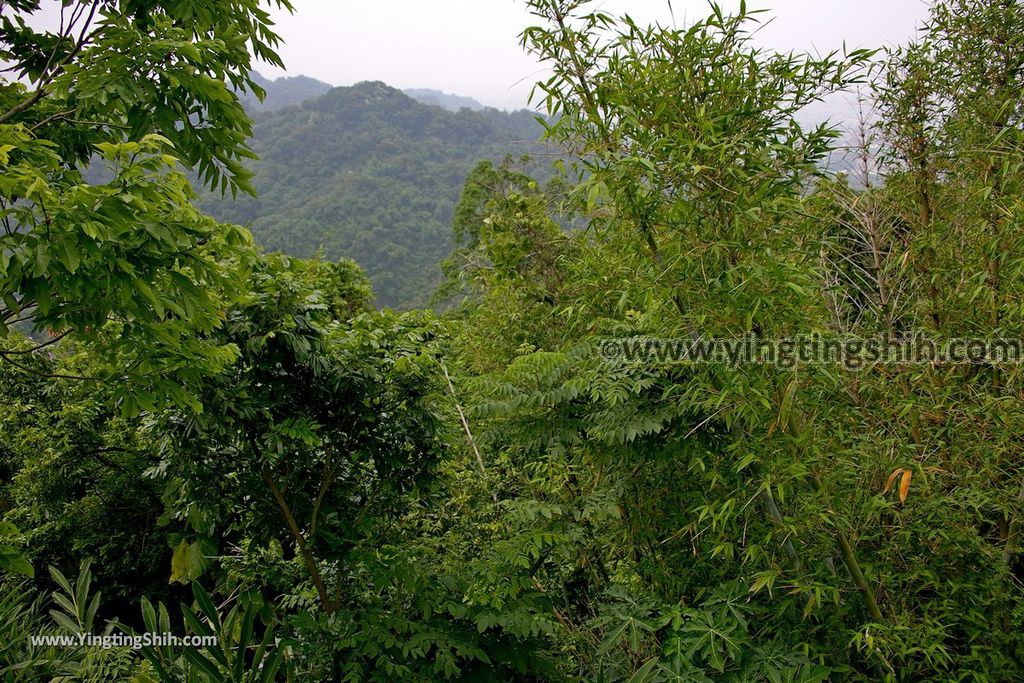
(370, 174)
(146, 88)
(214, 441)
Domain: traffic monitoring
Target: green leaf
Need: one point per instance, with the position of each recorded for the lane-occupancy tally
(179, 563)
(198, 660)
(13, 561)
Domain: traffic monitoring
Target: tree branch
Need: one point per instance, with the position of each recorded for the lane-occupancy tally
(40, 92)
(48, 375)
(325, 484)
(23, 352)
(300, 541)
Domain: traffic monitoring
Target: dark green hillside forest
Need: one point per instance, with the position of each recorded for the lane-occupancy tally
(369, 173)
(203, 438)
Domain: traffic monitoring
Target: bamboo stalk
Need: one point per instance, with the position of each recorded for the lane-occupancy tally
(465, 426)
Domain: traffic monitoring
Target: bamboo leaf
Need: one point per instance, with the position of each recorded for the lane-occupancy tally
(905, 485)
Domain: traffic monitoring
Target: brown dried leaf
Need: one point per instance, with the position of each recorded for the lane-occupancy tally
(891, 479)
(905, 485)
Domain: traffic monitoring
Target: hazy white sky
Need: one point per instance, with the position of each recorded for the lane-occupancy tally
(471, 47)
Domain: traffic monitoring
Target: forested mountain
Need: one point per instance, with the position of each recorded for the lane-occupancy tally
(367, 172)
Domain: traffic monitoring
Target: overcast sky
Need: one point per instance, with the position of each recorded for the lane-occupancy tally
(471, 47)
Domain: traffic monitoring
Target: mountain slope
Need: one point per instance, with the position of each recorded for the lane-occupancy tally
(367, 172)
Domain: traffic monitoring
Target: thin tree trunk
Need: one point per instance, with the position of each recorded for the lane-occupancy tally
(469, 432)
(846, 550)
(776, 516)
(300, 540)
(1014, 535)
(858, 577)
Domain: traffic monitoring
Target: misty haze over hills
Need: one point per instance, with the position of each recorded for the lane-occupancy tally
(289, 91)
(284, 92)
(444, 100)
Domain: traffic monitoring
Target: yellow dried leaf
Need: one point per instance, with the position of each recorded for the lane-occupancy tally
(905, 485)
(891, 479)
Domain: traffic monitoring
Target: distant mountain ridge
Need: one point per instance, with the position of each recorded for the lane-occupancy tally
(288, 91)
(443, 99)
(369, 173)
(284, 92)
